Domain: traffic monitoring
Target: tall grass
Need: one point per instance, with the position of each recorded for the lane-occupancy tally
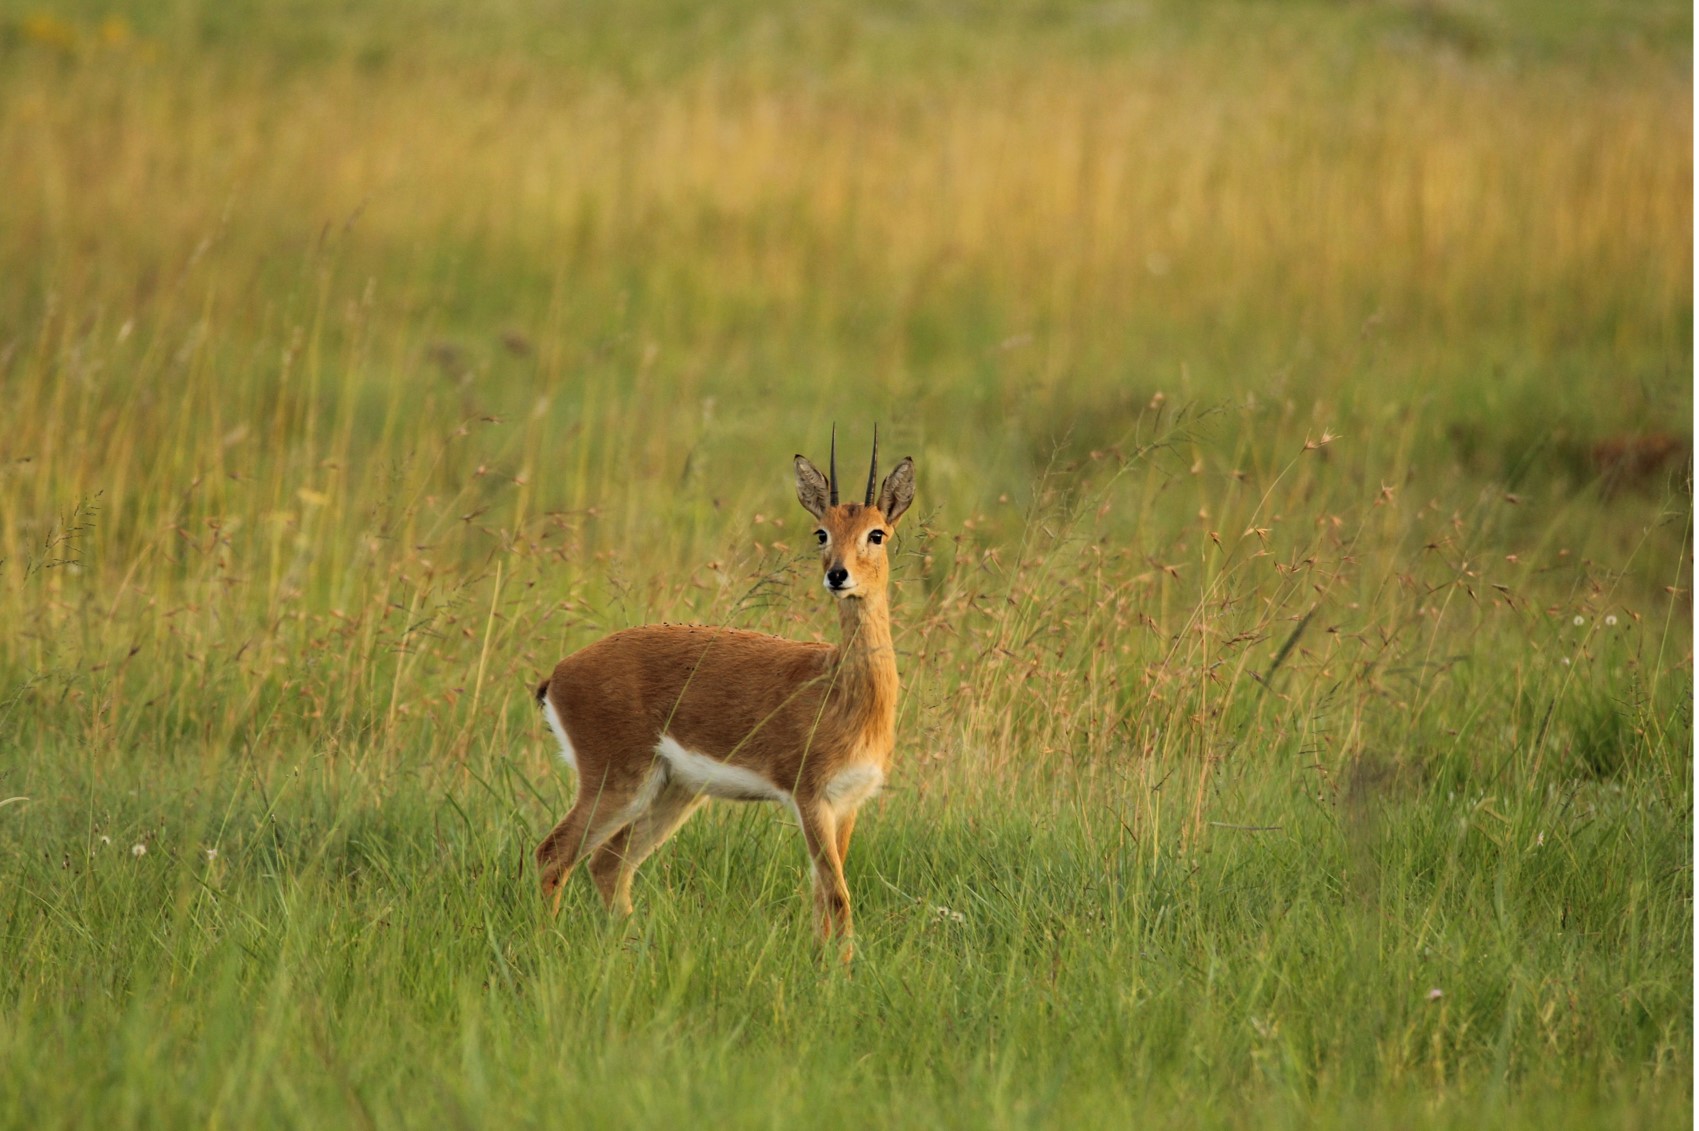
(1294, 621)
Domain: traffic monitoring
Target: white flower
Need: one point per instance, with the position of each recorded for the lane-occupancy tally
(105, 840)
(212, 854)
(1579, 620)
(138, 850)
(1435, 994)
(1610, 621)
(947, 916)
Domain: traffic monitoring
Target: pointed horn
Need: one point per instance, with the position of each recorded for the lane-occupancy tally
(873, 471)
(834, 465)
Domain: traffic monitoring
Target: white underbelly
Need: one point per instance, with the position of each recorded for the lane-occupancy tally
(852, 785)
(699, 773)
(710, 777)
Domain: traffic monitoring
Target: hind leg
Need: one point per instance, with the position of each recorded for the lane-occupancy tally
(596, 816)
(617, 860)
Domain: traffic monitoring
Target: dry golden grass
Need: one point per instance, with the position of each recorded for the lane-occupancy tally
(250, 295)
(1066, 190)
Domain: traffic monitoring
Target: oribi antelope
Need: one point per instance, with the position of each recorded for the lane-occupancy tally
(657, 719)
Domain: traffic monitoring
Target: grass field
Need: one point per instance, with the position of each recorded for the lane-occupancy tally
(1295, 619)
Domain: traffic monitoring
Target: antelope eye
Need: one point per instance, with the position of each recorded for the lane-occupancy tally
(821, 535)
(875, 536)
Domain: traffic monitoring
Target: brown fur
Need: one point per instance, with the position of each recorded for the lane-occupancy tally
(795, 714)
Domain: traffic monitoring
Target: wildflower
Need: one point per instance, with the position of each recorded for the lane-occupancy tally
(105, 840)
(138, 850)
(211, 854)
(945, 915)
(1579, 620)
(1610, 621)
(1435, 994)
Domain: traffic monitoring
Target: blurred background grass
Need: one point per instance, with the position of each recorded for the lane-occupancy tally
(1301, 395)
(332, 310)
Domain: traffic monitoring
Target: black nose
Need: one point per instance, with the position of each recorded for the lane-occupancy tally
(836, 577)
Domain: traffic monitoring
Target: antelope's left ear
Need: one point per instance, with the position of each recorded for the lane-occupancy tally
(897, 492)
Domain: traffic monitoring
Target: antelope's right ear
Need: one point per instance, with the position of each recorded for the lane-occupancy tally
(812, 490)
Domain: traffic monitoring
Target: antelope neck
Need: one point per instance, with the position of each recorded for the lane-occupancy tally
(867, 660)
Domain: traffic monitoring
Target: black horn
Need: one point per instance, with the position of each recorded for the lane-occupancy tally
(833, 478)
(873, 471)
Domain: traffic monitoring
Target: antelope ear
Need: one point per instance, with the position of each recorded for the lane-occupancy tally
(897, 492)
(811, 488)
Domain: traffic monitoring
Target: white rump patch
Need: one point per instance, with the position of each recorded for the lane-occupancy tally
(567, 754)
(711, 777)
(853, 785)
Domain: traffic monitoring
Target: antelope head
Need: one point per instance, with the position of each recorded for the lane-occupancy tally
(852, 536)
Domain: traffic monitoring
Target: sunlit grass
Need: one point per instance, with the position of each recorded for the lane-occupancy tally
(1294, 618)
